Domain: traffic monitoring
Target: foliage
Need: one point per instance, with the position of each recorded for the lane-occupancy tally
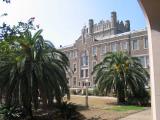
(73, 92)
(97, 92)
(7, 30)
(31, 67)
(122, 73)
(67, 110)
(7, 1)
(12, 113)
(140, 98)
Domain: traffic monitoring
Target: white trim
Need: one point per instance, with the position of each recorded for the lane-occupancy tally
(137, 45)
(140, 55)
(95, 51)
(144, 43)
(118, 40)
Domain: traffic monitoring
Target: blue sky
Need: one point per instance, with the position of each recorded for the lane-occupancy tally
(62, 20)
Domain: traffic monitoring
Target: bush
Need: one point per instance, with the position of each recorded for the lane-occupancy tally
(12, 113)
(90, 92)
(73, 92)
(96, 92)
(142, 98)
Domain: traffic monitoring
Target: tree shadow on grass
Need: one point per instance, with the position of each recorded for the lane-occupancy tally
(65, 112)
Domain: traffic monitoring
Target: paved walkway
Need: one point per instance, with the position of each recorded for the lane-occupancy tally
(144, 115)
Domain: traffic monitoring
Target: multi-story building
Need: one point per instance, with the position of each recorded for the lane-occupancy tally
(98, 39)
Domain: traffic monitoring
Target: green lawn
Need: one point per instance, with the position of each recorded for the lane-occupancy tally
(124, 108)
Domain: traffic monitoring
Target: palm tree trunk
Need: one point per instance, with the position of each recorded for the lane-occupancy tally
(121, 95)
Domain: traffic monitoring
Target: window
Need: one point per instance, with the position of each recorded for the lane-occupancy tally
(74, 81)
(74, 67)
(84, 59)
(94, 50)
(135, 44)
(113, 47)
(81, 73)
(86, 72)
(83, 84)
(103, 50)
(79, 84)
(145, 42)
(124, 45)
(144, 60)
(88, 84)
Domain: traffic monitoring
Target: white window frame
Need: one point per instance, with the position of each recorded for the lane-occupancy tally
(146, 65)
(84, 73)
(132, 43)
(114, 43)
(144, 41)
(122, 44)
(94, 52)
(103, 49)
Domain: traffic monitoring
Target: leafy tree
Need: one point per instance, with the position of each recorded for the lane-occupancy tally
(31, 67)
(7, 1)
(122, 73)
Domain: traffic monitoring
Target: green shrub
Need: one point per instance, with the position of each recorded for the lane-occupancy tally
(12, 113)
(90, 92)
(96, 92)
(142, 98)
(73, 92)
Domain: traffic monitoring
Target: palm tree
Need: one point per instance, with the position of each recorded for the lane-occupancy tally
(122, 73)
(31, 67)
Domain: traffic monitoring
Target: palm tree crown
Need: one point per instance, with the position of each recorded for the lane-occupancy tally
(122, 73)
(31, 67)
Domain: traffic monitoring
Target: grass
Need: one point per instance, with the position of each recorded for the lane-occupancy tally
(125, 108)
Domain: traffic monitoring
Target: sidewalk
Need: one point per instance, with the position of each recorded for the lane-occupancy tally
(144, 115)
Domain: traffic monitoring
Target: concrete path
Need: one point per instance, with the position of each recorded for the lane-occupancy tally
(144, 115)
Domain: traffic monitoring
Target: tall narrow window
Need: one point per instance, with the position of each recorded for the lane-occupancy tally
(94, 50)
(135, 44)
(113, 47)
(142, 60)
(124, 45)
(82, 73)
(103, 49)
(74, 81)
(84, 59)
(86, 72)
(145, 42)
(74, 68)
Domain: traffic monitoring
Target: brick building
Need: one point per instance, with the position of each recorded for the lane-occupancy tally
(98, 39)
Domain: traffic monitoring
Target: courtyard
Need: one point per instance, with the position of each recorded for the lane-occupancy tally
(104, 108)
(111, 56)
